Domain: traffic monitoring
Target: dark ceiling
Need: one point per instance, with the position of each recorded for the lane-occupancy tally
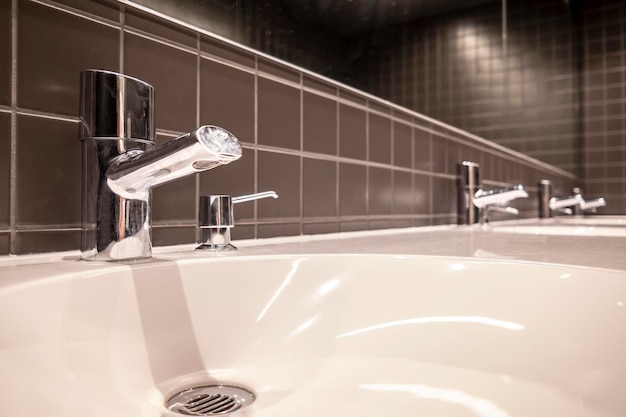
(353, 17)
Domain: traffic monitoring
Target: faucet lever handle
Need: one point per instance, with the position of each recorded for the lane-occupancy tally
(592, 204)
(506, 210)
(252, 197)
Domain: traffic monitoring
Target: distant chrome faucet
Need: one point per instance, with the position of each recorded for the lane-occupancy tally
(497, 201)
(574, 204)
(474, 203)
(121, 164)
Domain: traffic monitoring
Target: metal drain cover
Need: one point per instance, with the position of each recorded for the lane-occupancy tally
(210, 400)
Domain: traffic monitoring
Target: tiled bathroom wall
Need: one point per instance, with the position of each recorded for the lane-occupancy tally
(604, 102)
(553, 88)
(511, 80)
(339, 159)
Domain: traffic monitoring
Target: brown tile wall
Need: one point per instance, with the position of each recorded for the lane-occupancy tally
(457, 69)
(604, 99)
(339, 159)
(526, 96)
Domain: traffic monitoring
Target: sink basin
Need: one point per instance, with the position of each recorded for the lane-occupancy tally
(311, 335)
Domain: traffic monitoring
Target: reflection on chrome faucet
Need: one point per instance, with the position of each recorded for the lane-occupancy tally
(121, 164)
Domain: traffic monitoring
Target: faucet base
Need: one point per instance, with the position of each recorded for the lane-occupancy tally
(217, 248)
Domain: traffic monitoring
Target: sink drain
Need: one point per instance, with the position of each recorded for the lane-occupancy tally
(211, 400)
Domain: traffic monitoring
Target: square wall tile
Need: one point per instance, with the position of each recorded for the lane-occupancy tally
(52, 241)
(319, 124)
(159, 27)
(172, 73)
(352, 190)
(227, 99)
(404, 223)
(279, 70)
(319, 85)
(225, 51)
(280, 173)
(319, 188)
(234, 179)
(380, 224)
(443, 195)
(380, 191)
(402, 145)
(242, 231)
(278, 229)
(353, 226)
(279, 114)
(421, 194)
(320, 228)
(108, 9)
(379, 107)
(48, 193)
(421, 150)
(165, 236)
(403, 199)
(5, 53)
(5, 167)
(439, 154)
(53, 48)
(175, 202)
(354, 97)
(5, 243)
(379, 139)
(352, 132)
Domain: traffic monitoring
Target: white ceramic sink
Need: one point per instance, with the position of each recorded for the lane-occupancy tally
(319, 335)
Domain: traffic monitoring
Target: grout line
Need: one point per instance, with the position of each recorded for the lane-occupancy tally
(198, 117)
(45, 115)
(226, 62)
(48, 228)
(157, 39)
(392, 159)
(280, 80)
(255, 208)
(77, 13)
(122, 36)
(337, 150)
(367, 160)
(13, 157)
(301, 190)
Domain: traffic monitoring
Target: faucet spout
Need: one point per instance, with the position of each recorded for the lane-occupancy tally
(501, 196)
(132, 174)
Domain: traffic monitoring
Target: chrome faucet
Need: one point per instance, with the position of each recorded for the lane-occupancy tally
(574, 204)
(497, 200)
(474, 204)
(121, 164)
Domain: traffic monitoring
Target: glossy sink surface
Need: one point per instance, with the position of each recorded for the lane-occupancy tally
(314, 335)
(610, 221)
(567, 226)
(563, 230)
